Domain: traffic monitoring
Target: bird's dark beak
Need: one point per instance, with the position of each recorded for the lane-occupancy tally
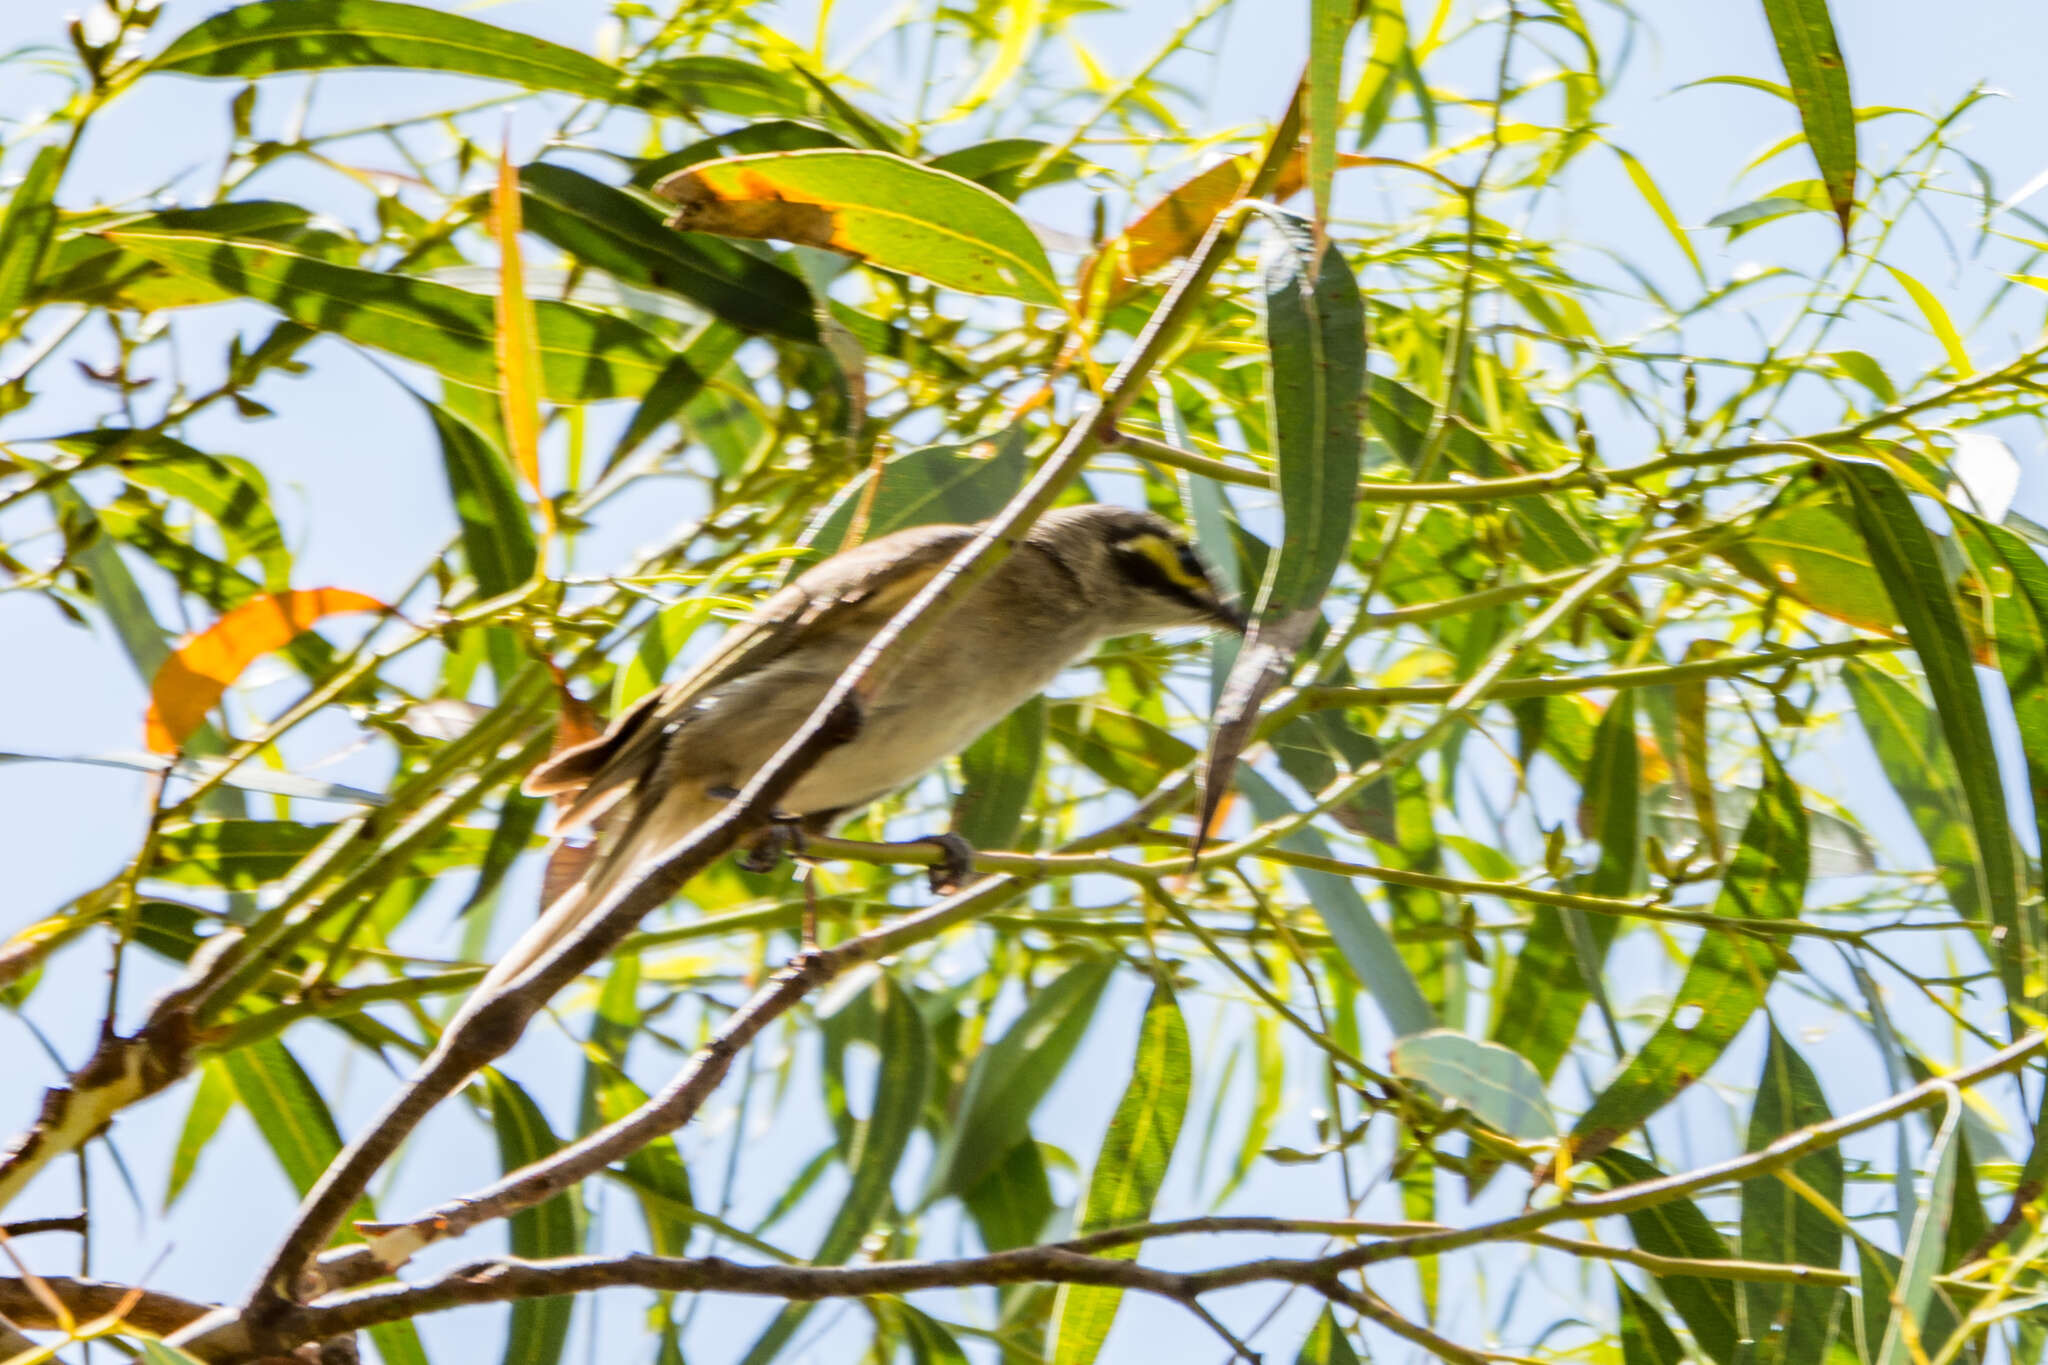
(1231, 617)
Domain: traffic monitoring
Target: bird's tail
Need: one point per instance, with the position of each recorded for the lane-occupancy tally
(631, 854)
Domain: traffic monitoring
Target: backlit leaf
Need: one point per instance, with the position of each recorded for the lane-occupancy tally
(192, 680)
(875, 207)
(1819, 81)
(1499, 1088)
(1128, 1171)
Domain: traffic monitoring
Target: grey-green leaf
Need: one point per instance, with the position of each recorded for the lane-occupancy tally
(1500, 1088)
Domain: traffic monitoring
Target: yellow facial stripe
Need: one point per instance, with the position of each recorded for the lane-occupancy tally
(1170, 556)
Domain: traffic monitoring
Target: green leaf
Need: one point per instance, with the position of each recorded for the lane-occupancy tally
(497, 532)
(2018, 599)
(228, 491)
(1912, 1300)
(289, 1112)
(1326, 1343)
(1911, 568)
(1000, 165)
(585, 355)
(1907, 737)
(1676, 1227)
(156, 1352)
(212, 1098)
(1561, 955)
(997, 775)
(1937, 321)
(1728, 976)
(1819, 81)
(540, 1327)
(1814, 554)
(1010, 1076)
(1645, 1339)
(1126, 751)
(239, 854)
(1128, 1171)
(1023, 21)
(1013, 1202)
(1790, 1322)
(961, 483)
(25, 229)
(623, 236)
(1366, 946)
(708, 80)
(1315, 335)
(1329, 25)
(317, 35)
(680, 382)
(902, 1082)
(1646, 186)
(775, 135)
(1500, 1089)
(876, 207)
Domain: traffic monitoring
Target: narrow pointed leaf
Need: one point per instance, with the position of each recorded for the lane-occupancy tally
(1326, 1344)
(540, 1327)
(624, 236)
(497, 531)
(585, 355)
(1329, 25)
(1315, 339)
(1645, 1339)
(1128, 1171)
(1819, 81)
(1561, 955)
(518, 363)
(997, 775)
(312, 35)
(1937, 322)
(1790, 1322)
(1908, 1335)
(1676, 1227)
(25, 228)
(1728, 976)
(1911, 568)
(1365, 944)
(1010, 1076)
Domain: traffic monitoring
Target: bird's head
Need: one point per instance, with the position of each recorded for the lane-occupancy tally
(1139, 570)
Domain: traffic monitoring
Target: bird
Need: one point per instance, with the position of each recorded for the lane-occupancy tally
(1081, 574)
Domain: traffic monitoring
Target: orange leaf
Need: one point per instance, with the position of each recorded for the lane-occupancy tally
(193, 678)
(1175, 225)
(517, 342)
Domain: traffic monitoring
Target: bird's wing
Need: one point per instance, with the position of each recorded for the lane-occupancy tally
(854, 592)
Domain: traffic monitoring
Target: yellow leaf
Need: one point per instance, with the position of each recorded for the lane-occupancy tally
(1937, 319)
(518, 351)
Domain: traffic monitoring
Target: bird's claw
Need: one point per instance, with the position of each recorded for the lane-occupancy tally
(955, 864)
(784, 838)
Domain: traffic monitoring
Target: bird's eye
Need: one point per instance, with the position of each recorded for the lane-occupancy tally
(1191, 564)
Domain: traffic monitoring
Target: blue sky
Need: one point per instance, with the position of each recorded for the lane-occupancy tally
(362, 494)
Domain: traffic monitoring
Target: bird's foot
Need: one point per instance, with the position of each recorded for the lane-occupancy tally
(955, 865)
(784, 838)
